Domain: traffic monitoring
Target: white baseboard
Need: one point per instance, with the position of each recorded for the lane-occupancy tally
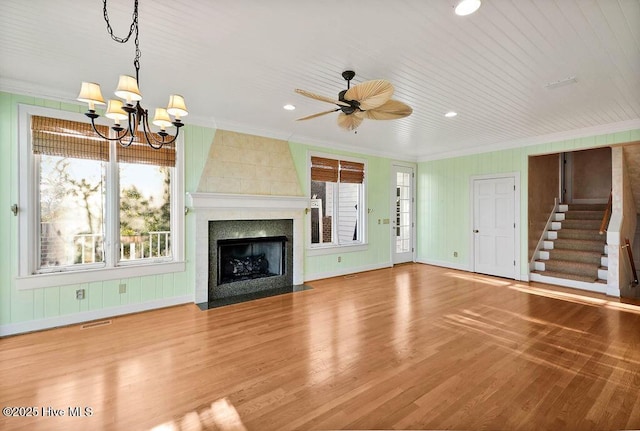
(521, 277)
(85, 316)
(445, 264)
(613, 291)
(347, 271)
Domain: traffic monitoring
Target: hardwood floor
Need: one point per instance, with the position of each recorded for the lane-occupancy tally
(413, 347)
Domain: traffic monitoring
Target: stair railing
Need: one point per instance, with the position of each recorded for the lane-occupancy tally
(627, 245)
(606, 216)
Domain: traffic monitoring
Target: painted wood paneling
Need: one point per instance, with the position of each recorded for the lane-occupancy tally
(26, 305)
(444, 227)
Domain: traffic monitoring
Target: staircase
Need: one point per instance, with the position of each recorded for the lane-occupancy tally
(574, 250)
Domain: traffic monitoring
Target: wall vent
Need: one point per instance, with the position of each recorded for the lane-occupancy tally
(561, 83)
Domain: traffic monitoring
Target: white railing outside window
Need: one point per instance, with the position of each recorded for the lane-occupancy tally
(154, 244)
(86, 247)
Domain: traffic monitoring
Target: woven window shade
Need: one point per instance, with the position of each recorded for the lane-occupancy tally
(351, 172)
(64, 138)
(141, 153)
(324, 169)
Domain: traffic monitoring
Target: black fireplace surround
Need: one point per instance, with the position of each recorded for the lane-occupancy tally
(249, 256)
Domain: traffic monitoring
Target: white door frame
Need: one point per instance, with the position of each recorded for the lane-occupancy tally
(392, 206)
(516, 217)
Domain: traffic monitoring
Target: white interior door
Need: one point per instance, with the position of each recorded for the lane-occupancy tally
(402, 212)
(494, 226)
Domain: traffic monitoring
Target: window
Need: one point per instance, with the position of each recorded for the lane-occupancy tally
(95, 205)
(337, 202)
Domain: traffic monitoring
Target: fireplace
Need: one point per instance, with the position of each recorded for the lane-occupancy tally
(248, 256)
(213, 207)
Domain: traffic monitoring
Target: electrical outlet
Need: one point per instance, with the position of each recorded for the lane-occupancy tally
(455, 254)
(339, 259)
(80, 294)
(123, 288)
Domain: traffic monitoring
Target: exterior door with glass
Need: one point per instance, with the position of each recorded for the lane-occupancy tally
(403, 214)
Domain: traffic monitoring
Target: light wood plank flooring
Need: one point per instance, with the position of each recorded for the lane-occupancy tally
(413, 347)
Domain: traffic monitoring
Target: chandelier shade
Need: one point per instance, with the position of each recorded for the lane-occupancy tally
(128, 89)
(115, 111)
(162, 119)
(177, 107)
(90, 93)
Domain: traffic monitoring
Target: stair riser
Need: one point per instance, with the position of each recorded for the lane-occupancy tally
(602, 274)
(581, 224)
(587, 235)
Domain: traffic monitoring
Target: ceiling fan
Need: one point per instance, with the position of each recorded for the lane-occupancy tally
(370, 99)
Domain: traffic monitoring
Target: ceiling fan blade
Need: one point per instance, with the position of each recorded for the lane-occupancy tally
(318, 97)
(349, 122)
(391, 110)
(370, 94)
(318, 114)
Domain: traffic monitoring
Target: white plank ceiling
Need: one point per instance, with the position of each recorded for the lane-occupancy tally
(238, 62)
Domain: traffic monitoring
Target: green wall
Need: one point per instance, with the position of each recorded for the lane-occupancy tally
(378, 198)
(443, 217)
(26, 308)
(19, 306)
(443, 200)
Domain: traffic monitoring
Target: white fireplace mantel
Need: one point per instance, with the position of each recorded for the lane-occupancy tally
(220, 206)
(235, 201)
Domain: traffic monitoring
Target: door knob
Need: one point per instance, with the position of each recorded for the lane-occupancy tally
(476, 231)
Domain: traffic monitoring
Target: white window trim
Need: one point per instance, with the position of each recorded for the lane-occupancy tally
(331, 248)
(29, 207)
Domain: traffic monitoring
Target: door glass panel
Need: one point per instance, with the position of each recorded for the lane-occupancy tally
(403, 212)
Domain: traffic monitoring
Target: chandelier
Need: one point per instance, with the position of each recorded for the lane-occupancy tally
(129, 108)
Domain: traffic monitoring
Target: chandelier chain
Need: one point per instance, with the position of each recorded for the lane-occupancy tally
(132, 28)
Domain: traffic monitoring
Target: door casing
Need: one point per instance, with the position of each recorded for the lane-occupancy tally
(516, 217)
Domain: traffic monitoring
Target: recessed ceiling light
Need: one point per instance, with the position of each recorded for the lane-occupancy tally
(289, 107)
(450, 114)
(467, 7)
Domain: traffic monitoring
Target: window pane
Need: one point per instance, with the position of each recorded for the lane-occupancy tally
(71, 211)
(349, 196)
(145, 211)
(321, 212)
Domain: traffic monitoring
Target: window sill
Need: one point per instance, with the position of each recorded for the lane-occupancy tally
(92, 275)
(333, 249)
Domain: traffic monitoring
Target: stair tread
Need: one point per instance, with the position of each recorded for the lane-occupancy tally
(593, 258)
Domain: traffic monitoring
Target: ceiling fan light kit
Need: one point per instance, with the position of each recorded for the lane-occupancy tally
(367, 100)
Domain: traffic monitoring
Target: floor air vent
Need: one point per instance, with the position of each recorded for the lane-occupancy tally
(95, 324)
